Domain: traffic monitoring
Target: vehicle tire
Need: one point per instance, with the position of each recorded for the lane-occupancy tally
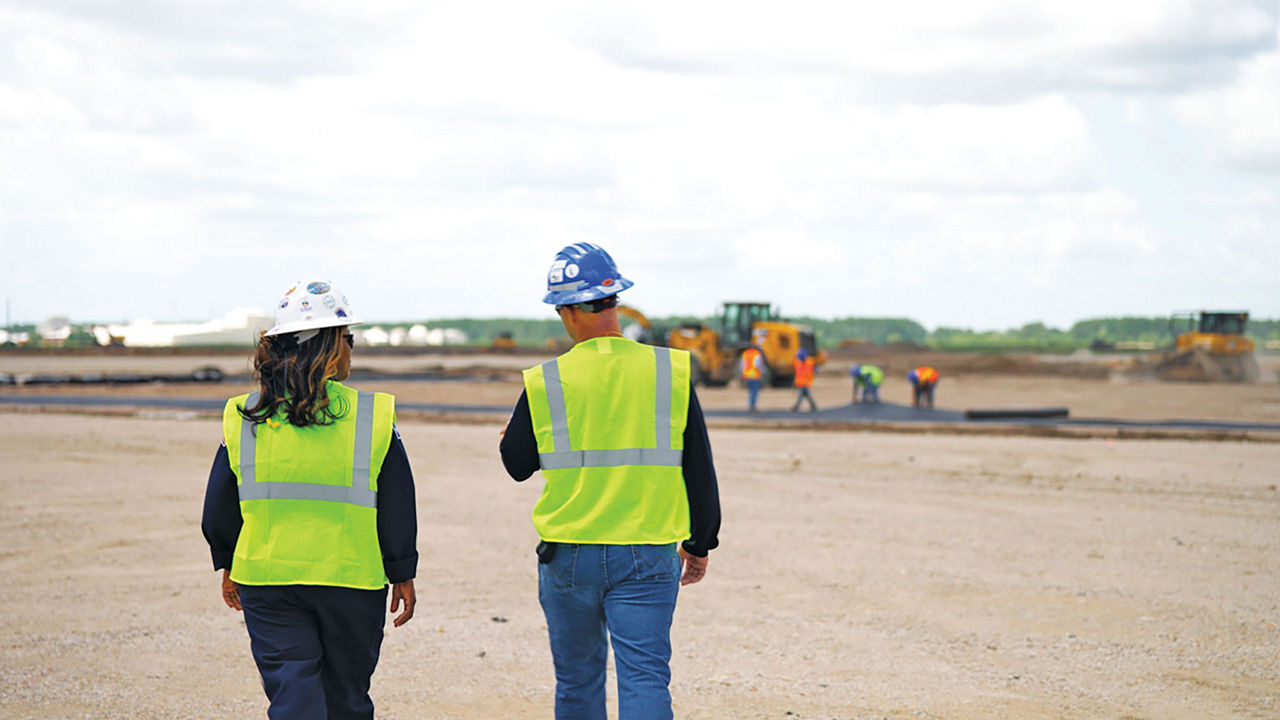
(1252, 373)
(697, 375)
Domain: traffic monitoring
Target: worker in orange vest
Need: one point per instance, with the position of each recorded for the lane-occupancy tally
(804, 365)
(922, 379)
(752, 374)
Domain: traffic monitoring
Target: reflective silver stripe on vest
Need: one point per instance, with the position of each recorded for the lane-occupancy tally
(555, 404)
(565, 458)
(364, 442)
(248, 439)
(663, 400)
(358, 493)
(610, 458)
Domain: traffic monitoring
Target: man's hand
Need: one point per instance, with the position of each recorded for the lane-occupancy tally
(230, 591)
(695, 568)
(403, 591)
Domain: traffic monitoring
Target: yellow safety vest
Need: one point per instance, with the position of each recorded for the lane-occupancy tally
(609, 419)
(309, 496)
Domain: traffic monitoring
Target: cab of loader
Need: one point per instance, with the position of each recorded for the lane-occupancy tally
(717, 353)
(759, 324)
(1224, 323)
(738, 319)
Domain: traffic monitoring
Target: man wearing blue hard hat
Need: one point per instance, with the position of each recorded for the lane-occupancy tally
(630, 508)
(804, 365)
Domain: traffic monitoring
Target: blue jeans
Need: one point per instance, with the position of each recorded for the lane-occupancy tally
(870, 393)
(801, 395)
(624, 593)
(922, 394)
(753, 392)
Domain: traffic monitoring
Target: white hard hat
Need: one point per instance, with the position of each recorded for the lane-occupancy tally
(311, 306)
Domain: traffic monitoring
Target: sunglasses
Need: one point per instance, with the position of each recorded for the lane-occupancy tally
(351, 340)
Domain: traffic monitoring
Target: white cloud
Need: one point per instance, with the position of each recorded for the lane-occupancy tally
(933, 161)
(999, 49)
(1242, 119)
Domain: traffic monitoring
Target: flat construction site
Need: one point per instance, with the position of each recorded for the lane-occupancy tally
(861, 574)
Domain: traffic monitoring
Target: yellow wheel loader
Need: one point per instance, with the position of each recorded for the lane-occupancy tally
(717, 352)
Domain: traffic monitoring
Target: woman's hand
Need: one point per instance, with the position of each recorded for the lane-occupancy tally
(403, 591)
(230, 591)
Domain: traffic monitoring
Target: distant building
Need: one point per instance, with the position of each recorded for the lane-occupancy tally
(446, 336)
(373, 336)
(414, 336)
(417, 335)
(241, 326)
(16, 338)
(54, 331)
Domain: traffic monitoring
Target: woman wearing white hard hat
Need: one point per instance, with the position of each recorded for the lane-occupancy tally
(310, 513)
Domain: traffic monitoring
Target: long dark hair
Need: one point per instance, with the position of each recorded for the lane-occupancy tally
(292, 376)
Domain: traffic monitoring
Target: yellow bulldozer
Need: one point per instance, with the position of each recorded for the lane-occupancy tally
(1208, 347)
(717, 351)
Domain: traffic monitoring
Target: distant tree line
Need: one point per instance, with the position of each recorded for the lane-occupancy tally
(1032, 337)
(1098, 332)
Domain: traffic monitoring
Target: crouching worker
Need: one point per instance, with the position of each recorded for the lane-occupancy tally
(869, 378)
(309, 513)
(923, 379)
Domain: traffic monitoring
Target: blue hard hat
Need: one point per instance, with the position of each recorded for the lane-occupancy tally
(802, 354)
(855, 370)
(583, 272)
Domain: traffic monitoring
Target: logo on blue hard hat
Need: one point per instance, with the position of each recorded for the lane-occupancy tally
(556, 273)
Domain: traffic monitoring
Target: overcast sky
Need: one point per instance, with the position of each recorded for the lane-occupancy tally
(983, 164)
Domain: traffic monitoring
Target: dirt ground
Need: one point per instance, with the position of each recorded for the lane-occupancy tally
(860, 575)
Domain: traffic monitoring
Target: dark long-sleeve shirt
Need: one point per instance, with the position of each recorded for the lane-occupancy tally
(519, 449)
(397, 513)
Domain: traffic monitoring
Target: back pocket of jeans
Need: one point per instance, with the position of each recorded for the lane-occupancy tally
(559, 572)
(656, 562)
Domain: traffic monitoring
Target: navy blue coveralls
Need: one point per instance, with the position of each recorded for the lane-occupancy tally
(316, 647)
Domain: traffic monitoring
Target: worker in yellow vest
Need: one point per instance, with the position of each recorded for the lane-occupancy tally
(310, 513)
(630, 508)
(869, 378)
(803, 366)
(752, 367)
